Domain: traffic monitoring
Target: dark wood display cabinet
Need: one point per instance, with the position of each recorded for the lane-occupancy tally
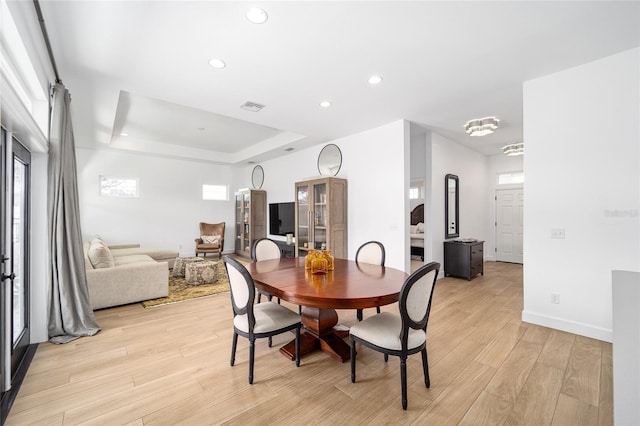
(463, 259)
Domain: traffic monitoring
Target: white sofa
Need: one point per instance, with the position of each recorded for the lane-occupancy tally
(118, 275)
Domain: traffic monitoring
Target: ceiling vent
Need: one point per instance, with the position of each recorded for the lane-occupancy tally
(252, 106)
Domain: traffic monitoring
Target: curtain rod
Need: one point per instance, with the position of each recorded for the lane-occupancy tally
(45, 35)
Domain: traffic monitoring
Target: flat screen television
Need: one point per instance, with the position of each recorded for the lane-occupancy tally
(282, 218)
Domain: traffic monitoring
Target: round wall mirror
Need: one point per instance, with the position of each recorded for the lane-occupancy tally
(257, 177)
(329, 160)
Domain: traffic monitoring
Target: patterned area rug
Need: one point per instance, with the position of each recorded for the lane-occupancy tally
(179, 290)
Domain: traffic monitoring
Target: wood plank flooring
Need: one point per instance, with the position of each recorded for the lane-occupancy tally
(170, 365)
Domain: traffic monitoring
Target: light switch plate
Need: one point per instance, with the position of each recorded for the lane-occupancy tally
(557, 233)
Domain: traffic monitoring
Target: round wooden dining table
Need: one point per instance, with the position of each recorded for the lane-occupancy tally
(350, 285)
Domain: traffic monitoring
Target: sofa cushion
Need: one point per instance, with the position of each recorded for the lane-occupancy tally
(100, 255)
(134, 258)
(157, 254)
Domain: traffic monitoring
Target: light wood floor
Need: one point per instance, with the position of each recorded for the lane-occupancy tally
(170, 365)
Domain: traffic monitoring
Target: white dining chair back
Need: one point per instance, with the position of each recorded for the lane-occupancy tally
(265, 249)
(371, 252)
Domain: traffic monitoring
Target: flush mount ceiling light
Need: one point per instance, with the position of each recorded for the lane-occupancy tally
(257, 15)
(325, 104)
(217, 63)
(513, 149)
(481, 126)
(375, 79)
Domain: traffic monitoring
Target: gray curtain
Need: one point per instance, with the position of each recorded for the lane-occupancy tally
(70, 313)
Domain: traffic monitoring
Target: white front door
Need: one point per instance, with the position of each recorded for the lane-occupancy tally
(509, 225)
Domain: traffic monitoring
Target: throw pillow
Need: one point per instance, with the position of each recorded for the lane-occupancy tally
(211, 239)
(413, 229)
(100, 255)
(420, 227)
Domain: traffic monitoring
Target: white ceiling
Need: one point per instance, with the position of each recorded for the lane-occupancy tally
(141, 68)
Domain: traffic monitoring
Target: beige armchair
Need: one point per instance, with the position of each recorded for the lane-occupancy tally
(211, 239)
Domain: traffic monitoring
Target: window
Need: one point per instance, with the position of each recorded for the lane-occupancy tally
(416, 190)
(118, 187)
(215, 192)
(510, 178)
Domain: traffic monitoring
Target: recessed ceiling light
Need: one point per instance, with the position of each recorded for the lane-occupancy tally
(325, 104)
(124, 134)
(257, 15)
(217, 63)
(252, 106)
(201, 128)
(289, 149)
(375, 79)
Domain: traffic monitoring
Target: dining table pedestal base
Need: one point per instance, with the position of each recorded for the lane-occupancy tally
(320, 333)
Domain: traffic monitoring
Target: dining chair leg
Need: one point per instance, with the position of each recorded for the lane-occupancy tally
(259, 296)
(270, 341)
(425, 368)
(353, 361)
(403, 380)
(251, 357)
(270, 297)
(378, 309)
(298, 347)
(299, 309)
(234, 343)
(386, 357)
(359, 314)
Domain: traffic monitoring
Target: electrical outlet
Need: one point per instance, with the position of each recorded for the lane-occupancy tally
(557, 233)
(555, 298)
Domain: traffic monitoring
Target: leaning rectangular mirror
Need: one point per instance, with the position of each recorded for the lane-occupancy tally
(451, 206)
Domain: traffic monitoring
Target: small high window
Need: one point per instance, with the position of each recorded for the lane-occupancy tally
(118, 187)
(510, 178)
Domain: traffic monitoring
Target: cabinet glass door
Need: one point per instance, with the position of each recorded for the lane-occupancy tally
(247, 214)
(320, 216)
(238, 220)
(303, 235)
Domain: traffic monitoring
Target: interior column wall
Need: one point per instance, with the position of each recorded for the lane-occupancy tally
(581, 128)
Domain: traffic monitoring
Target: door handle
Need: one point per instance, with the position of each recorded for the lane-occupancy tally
(4, 277)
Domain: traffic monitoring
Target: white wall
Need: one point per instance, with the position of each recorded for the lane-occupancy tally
(581, 129)
(373, 162)
(471, 169)
(170, 206)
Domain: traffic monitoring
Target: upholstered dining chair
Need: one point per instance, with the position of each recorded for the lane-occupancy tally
(265, 249)
(402, 335)
(370, 252)
(211, 239)
(255, 321)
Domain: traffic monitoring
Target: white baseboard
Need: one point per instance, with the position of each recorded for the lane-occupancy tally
(569, 326)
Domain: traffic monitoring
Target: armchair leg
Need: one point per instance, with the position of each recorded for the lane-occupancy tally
(403, 380)
(298, 347)
(425, 368)
(234, 343)
(359, 314)
(353, 361)
(251, 357)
